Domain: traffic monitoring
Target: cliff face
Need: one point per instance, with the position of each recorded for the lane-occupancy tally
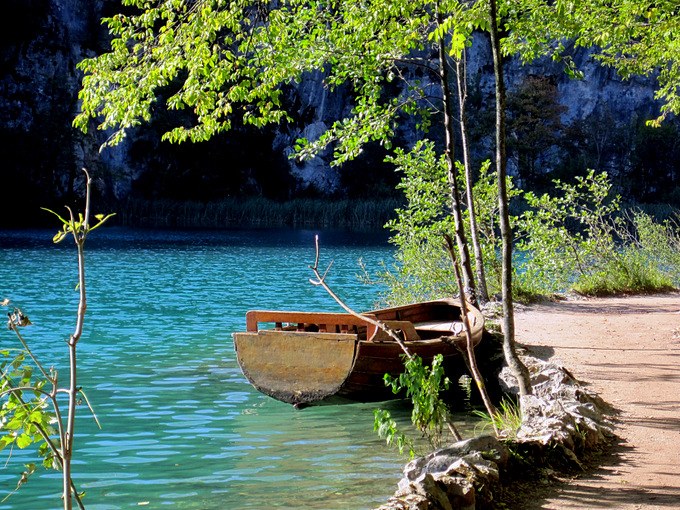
(43, 40)
(600, 88)
(41, 44)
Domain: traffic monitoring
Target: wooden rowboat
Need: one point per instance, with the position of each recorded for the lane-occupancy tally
(309, 358)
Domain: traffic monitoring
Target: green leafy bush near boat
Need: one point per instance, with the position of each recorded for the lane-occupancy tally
(422, 268)
(577, 238)
(430, 415)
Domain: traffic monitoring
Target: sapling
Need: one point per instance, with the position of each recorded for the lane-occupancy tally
(30, 412)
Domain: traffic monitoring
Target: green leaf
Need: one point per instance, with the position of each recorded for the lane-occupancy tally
(24, 440)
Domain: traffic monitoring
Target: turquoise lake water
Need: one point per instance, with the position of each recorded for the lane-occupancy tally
(181, 427)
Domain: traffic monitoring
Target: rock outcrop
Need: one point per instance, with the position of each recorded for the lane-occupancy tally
(42, 153)
(562, 422)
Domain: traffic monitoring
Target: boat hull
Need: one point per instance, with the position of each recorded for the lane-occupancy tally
(296, 367)
(348, 361)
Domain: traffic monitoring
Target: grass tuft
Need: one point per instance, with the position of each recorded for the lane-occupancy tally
(507, 420)
(629, 272)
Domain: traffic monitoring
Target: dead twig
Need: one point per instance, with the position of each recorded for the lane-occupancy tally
(321, 281)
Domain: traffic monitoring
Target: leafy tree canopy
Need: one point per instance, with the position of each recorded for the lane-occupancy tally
(222, 58)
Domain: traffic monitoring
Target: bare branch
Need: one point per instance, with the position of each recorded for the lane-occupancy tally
(321, 281)
(14, 328)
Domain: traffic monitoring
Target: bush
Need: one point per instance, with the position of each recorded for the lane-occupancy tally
(576, 238)
(422, 268)
(658, 242)
(580, 240)
(564, 238)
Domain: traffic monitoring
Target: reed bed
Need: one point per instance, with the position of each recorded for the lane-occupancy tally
(257, 212)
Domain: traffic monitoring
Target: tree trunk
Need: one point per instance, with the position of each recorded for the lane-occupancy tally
(461, 238)
(482, 291)
(518, 368)
(470, 350)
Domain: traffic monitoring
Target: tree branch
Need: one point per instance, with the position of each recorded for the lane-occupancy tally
(14, 328)
(321, 281)
(479, 380)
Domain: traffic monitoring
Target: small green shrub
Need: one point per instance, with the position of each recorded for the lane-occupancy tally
(387, 429)
(423, 385)
(626, 272)
(659, 242)
(422, 269)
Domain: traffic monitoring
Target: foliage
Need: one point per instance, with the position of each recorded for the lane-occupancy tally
(422, 385)
(258, 211)
(534, 123)
(229, 59)
(200, 49)
(25, 414)
(627, 271)
(422, 269)
(635, 38)
(571, 240)
(659, 243)
(30, 413)
(566, 237)
(224, 61)
(485, 195)
(579, 240)
(388, 429)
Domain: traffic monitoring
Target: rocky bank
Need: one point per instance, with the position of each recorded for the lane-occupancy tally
(563, 421)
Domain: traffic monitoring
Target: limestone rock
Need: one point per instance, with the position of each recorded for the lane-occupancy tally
(561, 421)
(441, 461)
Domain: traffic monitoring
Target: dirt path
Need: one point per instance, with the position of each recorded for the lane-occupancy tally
(628, 351)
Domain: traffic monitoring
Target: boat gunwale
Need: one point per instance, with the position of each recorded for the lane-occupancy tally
(344, 321)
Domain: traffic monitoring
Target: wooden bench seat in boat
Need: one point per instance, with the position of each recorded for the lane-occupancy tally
(328, 323)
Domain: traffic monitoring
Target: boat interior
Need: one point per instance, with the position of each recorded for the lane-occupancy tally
(430, 326)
